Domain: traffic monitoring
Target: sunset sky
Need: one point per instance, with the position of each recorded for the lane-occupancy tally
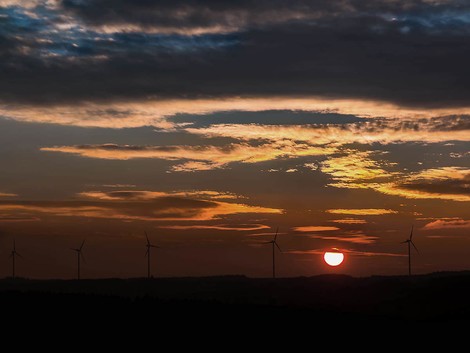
(210, 123)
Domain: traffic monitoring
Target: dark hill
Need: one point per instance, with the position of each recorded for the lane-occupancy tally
(439, 297)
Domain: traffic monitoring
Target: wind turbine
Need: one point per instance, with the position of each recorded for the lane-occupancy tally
(274, 243)
(147, 253)
(13, 256)
(79, 256)
(409, 241)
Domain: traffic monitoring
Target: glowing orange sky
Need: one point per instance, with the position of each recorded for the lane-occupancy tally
(214, 135)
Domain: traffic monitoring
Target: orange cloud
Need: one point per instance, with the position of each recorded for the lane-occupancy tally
(167, 208)
(197, 157)
(239, 228)
(5, 194)
(143, 195)
(350, 221)
(362, 211)
(369, 132)
(355, 170)
(5, 218)
(358, 170)
(194, 166)
(68, 211)
(314, 229)
(448, 224)
(346, 251)
(356, 237)
(155, 113)
(447, 183)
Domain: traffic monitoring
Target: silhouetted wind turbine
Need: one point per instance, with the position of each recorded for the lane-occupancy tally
(147, 253)
(409, 241)
(79, 256)
(274, 243)
(13, 256)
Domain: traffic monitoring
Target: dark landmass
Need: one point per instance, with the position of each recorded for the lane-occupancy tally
(438, 297)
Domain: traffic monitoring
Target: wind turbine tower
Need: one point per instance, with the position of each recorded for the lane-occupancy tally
(409, 241)
(147, 253)
(274, 244)
(13, 256)
(79, 256)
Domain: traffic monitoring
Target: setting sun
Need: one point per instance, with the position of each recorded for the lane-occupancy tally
(333, 258)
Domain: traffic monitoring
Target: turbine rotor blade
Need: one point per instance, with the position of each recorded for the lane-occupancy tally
(414, 246)
(18, 254)
(82, 257)
(146, 236)
(275, 236)
(83, 243)
(278, 247)
(147, 253)
(403, 242)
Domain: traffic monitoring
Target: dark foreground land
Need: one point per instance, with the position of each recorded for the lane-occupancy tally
(436, 298)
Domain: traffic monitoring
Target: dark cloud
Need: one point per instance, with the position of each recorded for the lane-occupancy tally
(414, 53)
(450, 186)
(444, 123)
(159, 208)
(126, 194)
(115, 147)
(230, 14)
(451, 123)
(268, 117)
(195, 14)
(18, 219)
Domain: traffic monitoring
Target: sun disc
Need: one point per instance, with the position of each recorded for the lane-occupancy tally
(333, 258)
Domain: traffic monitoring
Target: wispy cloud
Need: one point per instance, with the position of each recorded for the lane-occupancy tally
(224, 227)
(380, 130)
(141, 206)
(119, 185)
(346, 251)
(356, 237)
(447, 183)
(199, 157)
(314, 229)
(356, 170)
(194, 166)
(402, 124)
(143, 195)
(448, 224)
(362, 211)
(6, 194)
(227, 16)
(186, 18)
(28, 3)
(350, 221)
(5, 218)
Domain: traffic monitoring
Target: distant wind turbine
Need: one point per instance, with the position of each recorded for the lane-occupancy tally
(13, 256)
(274, 243)
(147, 253)
(409, 241)
(79, 256)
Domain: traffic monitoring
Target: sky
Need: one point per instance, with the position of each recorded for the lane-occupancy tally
(209, 124)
